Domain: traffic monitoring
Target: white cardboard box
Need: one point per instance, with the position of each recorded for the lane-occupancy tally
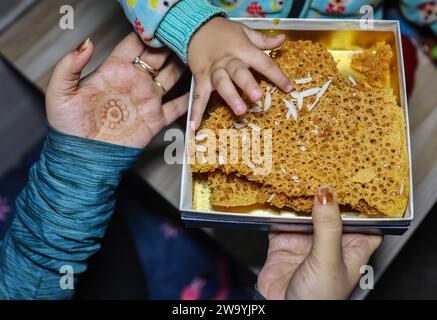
(333, 34)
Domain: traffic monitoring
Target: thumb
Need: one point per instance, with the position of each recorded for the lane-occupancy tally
(66, 76)
(327, 249)
(263, 41)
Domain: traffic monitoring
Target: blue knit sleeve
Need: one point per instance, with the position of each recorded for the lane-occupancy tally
(182, 21)
(171, 22)
(61, 216)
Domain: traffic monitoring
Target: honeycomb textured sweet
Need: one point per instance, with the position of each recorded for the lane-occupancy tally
(349, 137)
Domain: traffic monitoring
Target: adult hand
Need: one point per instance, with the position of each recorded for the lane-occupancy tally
(220, 55)
(119, 103)
(324, 265)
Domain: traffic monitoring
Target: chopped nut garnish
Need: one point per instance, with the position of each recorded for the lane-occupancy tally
(271, 197)
(256, 109)
(268, 101)
(291, 109)
(254, 126)
(201, 136)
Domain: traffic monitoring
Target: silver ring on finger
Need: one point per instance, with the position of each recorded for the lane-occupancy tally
(143, 65)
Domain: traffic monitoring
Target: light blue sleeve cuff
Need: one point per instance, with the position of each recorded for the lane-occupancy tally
(182, 21)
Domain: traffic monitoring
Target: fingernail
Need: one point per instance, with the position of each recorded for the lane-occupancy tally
(325, 195)
(239, 108)
(289, 88)
(83, 46)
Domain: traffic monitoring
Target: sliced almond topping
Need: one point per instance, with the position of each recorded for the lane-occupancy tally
(283, 170)
(352, 80)
(320, 94)
(254, 126)
(401, 190)
(295, 178)
(238, 125)
(324, 88)
(304, 80)
(302, 148)
(291, 110)
(201, 136)
(271, 197)
(294, 94)
(259, 104)
(310, 92)
(299, 102)
(250, 165)
(256, 109)
(311, 106)
(268, 101)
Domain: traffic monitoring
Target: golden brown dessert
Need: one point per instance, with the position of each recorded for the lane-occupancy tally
(340, 133)
(374, 63)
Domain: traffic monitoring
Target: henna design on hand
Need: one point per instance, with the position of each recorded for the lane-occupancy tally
(114, 114)
(113, 118)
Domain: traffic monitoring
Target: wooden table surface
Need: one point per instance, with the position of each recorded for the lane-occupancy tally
(35, 42)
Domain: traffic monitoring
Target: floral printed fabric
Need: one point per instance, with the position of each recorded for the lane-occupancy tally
(146, 15)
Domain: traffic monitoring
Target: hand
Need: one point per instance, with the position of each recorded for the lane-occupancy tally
(323, 266)
(119, 103)
(220, 54)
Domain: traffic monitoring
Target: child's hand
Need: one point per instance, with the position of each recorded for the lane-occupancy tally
(220, 54)
(325, 265)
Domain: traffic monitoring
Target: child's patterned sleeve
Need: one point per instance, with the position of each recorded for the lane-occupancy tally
(169, 22)
(256, 8)
(421, 12)
(340, 9)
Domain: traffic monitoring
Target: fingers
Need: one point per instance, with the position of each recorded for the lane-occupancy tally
(129, 48)
(242, 77)
(327, 249)
(357, 249)
(374, 243)
(262, 63)
(202, 92)
(171, 73)
(224, 86)
(368, 243)
(262, 40)
(175, 108)
(66, 76)
(155, 57)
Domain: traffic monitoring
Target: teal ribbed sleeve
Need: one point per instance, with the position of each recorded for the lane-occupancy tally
(61, 215)
(182, 21)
